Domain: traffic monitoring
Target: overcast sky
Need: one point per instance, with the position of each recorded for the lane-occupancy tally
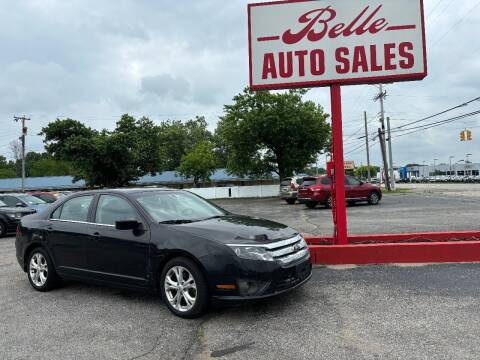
(95, 60)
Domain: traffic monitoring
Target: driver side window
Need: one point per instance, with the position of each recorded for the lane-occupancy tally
(352, 181)
(113, 208)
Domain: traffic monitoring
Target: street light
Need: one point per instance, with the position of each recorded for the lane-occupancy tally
(466, 164)
(458, 162)
(423, 169)
(435, 169)
(450, 159)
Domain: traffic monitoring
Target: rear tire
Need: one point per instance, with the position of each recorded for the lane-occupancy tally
(373, 198)
(184, 288)
(291, 201)
(328, 203)
(311, 205)
(40, 271)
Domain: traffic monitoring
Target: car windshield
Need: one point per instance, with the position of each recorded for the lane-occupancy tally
(31, 200)
(2, 204)
(177, 206)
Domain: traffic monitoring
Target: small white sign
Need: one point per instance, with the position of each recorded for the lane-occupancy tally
(322, 42)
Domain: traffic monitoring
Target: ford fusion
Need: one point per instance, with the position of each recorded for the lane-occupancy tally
(167, 241)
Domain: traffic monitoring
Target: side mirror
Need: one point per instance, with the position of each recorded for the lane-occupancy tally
(127, 225)
(19, 204)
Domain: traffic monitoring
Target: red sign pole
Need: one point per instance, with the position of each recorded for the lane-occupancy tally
(339, 207)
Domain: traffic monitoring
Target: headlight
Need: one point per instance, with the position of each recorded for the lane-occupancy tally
(252, 252)
(15, 215)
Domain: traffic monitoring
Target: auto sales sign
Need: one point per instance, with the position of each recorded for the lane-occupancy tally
(323, 42)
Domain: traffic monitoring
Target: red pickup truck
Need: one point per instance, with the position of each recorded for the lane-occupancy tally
(316, 190)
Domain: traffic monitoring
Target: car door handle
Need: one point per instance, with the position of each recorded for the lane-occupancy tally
(50, 228)
(96, 236)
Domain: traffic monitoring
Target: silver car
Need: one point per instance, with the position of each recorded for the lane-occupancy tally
(289, 189)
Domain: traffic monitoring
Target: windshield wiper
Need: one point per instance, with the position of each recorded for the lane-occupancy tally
(178, 221)
(213, 217)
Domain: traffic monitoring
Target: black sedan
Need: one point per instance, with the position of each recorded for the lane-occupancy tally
(169, 241)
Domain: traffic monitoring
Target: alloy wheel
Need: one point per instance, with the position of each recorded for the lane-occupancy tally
(180, 288)
(38, 269)
(373, 199)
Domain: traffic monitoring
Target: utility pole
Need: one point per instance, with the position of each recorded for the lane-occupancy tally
(368, 148)
(381, 136)
(390, 156)
(22, 138)
(381, 133)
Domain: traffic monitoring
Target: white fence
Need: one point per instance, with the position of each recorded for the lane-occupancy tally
(257, 191)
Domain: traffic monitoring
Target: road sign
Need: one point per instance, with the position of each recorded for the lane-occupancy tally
(316, 43)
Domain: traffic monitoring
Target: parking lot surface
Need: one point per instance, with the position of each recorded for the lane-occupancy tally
(370, 312)
(425, 207)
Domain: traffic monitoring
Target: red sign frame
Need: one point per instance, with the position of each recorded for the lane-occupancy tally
(319, 83)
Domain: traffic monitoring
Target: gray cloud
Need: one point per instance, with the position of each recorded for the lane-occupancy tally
(94, 60)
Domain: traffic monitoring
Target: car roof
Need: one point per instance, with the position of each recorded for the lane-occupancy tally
(124, 190)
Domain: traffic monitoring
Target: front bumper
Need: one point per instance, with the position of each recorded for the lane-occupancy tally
(278, 281)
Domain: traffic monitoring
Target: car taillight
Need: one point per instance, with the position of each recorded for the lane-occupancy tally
(292, 186)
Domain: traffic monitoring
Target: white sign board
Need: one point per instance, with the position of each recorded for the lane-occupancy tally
(323, 42)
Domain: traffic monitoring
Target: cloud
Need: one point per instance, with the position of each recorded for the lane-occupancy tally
(166, 59)
(166, 85)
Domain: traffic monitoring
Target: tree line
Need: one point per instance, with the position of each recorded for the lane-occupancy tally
(259, 134)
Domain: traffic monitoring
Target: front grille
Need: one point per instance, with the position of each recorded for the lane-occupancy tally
(292, 276)
(289, 250)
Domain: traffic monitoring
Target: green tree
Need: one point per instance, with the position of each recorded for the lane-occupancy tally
(199, 164)
(362, 171)
(264, 132)
(7, 169)
(178, 138)
(106, 158)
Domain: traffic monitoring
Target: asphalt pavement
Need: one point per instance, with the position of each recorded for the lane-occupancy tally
(414, 211)
(369, 312)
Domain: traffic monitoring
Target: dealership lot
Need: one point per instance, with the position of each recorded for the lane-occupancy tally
(342, 313)
(425, 207)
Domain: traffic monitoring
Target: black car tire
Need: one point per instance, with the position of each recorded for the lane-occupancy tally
(52, 278)
(328, 203)
(202, 298)
(3, 230)
(311, 205)
(290, 201)
(373, 198)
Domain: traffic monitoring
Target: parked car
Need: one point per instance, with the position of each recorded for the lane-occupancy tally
(10, 218)
(169, 241)
(48, 197)
(289, 189)
(316, 191)
(23, 200)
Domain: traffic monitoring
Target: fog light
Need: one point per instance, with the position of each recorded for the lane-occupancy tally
(251, 287)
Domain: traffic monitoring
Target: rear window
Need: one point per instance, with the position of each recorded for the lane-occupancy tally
(325, 181)
(309, 181)
(286, 182)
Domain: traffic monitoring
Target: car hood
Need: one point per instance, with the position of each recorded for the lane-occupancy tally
(15, 210)
(238, 229)
(38, 207)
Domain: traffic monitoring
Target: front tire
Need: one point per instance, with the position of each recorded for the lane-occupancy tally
(184, 288)
(40, 271)
(373, 198)
(3, 230)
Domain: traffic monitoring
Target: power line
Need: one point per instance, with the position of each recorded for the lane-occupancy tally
(437, 123)
(437, 114)
(458, 22)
